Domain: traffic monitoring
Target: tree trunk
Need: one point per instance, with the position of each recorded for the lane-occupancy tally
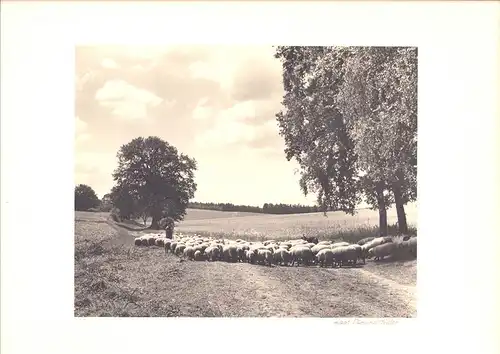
(154, 224)
(382, 211)
(400, 209)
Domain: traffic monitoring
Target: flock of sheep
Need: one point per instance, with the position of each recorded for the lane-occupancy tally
(305, 251)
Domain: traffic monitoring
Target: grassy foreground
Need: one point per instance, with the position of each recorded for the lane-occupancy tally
(115, 278)
(112, 278)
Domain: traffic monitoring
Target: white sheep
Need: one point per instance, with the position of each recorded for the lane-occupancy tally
(179, 250)
(251, 255)
(160, 242)
(230, 253)
(373, 243)
(189, 252)
(282, 256)
(345, 254)
(167, 244)
(198, 256)
(265, 256)
(173, 246)
(316, 248)
(212, 253)
(339, 244)
(302, 255)
(325, 257)
(365, 240)
(383, 250)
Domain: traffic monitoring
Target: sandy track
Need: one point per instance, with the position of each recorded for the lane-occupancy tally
(315, 292)
(166, 286)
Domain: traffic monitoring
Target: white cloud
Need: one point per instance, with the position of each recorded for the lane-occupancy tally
(221, 68)
(126, 100)
(202, 111)
(109, 64)
(240, 111)
(236, 66)
(224, 134)
(230, 127)
(203, 70)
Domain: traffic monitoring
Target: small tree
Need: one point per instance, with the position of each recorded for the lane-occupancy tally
(153, 178)
(85, 198)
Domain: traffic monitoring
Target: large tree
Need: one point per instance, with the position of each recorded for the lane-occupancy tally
(378, 98)
(350, 122)
(313, 128)
(153, 178)
(85, 198)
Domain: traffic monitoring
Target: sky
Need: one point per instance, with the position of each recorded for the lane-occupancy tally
(216, 104)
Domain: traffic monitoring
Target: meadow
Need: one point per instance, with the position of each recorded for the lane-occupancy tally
(115, 278)
(253, 226)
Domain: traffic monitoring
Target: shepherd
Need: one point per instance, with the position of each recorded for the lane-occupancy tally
(169, 227)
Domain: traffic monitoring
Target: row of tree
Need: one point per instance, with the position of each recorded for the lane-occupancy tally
(350, 121)
(86, 199)
(225, 207)
(267, 208)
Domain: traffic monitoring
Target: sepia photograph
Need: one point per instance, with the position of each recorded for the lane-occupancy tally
(245, 181)
(249, 176)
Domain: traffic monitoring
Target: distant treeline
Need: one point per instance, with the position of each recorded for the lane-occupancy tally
(267, 208)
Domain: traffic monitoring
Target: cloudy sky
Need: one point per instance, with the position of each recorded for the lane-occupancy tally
(214, 103)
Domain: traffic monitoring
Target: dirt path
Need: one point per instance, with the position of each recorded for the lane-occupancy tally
(163, 285)
(316, 292)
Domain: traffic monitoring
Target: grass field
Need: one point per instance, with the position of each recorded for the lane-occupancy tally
(252, 226)
(115, 278)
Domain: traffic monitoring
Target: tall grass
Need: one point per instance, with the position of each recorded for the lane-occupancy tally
(348, 234)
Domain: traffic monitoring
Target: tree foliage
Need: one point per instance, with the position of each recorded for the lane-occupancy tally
(350, 120)
(313, 128)
(106, 203)
(85, 198)
(154, 179)
(379, 102)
